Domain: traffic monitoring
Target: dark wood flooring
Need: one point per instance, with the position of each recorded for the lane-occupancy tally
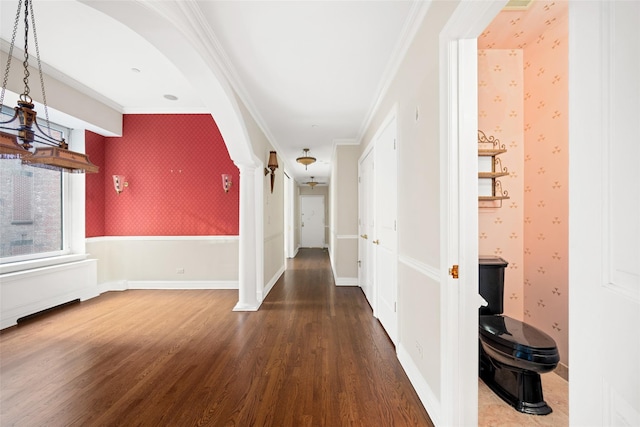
(313, 355)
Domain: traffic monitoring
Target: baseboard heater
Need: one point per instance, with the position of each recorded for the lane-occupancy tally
(46, 311)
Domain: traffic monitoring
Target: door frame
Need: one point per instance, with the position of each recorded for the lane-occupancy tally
(390, 122)
(459, 193)
(364, 246)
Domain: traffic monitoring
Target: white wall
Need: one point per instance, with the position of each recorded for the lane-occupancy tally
(343, 225)
(66, 105)
(414, 92)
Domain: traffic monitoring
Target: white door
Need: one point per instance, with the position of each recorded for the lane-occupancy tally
(385, 235)
(365, 222)
(312, 221)
(604, 213)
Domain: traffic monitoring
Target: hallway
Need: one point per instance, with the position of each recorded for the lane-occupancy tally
(313, 355)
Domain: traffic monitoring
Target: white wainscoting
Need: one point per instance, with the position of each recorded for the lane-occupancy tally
(344, 260)
(166, 262)
(420, 329)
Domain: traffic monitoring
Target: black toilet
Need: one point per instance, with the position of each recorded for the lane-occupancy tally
(513, 354)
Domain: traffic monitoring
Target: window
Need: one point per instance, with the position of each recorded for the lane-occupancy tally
(31, 208)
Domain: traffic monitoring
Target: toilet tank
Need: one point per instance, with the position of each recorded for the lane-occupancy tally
(491, 283)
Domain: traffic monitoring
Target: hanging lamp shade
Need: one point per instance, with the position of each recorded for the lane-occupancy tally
(48, 152)
(9, 147)
(57, 158)
(312, 183)
(306, 159)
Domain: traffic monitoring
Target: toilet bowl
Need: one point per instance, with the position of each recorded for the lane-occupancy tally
(513, 354)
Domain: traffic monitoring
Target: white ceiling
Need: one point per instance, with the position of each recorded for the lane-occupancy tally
(310, 72)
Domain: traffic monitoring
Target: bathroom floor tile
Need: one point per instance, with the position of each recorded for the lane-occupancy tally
(493, 412)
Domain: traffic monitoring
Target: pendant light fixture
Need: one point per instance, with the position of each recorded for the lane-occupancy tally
(306, 159)
(22, 130)
(311, 183)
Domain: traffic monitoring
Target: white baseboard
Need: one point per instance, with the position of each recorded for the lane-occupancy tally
(426, 395)
(123, 285)
(272, 282)
(346, 281)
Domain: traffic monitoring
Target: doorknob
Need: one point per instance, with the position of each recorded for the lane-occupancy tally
(376, 242)
(364, 236)
(453, 271)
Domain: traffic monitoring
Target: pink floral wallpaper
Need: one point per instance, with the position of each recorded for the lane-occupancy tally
(540, 36)
(501, 115)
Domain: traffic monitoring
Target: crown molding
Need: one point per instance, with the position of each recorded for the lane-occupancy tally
(210, 42)
(412, 24)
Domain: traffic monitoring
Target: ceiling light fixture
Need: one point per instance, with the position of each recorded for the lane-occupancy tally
(311, 183)
(306, 159)
(48, 151)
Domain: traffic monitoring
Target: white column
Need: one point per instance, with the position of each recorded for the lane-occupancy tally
(75, 218)
(247, 300)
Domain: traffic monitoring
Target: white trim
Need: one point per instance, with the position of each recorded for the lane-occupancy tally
(116, 286)
(125, 285)
(214, 239)
(426, 270)
(15, 267)
(413, 23)
(175, 284)
(459, 244)
(262, 294)
(273, 236)
(424, 392)
(346, 236)
(346, 281)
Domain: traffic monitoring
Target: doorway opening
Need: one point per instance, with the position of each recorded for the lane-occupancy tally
(523, 102)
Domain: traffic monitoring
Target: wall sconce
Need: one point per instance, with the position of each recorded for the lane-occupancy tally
(226, 182)
(272, 165)
(119, 183)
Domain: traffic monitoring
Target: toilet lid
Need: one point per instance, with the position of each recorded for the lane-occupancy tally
(514, 333)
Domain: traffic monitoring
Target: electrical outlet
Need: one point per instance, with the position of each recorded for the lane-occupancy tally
(180, 270)
(419, 348)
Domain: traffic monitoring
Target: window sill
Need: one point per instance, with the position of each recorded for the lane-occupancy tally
(39, 263)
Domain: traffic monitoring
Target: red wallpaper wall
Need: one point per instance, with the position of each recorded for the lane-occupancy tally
(94, 208)
(173, 164)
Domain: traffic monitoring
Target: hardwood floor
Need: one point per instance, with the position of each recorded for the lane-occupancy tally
(313, 355)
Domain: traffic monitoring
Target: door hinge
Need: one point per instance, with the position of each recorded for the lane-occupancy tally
(453, 271)
(395, 307)
(395, 226)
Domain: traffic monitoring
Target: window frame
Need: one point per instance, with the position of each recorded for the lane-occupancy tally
(33, 260)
